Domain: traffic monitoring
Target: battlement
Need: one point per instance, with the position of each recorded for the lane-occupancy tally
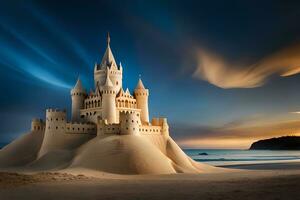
(81, 128)
(104, 128)
(78, 93)
(141, 92)
(101, 71)
(55, 110)
(146, 130)
(55, 115)
(37, 124)
(109, 91)
(160, 121)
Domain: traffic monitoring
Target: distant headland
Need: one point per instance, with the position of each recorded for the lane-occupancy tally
(280, 143)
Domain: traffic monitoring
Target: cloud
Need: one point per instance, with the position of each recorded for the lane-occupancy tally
(215, 70)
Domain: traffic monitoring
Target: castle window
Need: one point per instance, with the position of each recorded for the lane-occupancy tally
(132, 121)
(126, 120)
(73, 129)
(62, 119)
(78, 128)
(113, 128)
(56, 127)
(126, 128)
(83, 129)
(56, 119)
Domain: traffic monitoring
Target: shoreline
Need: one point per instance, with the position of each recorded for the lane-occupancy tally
(284, 165)
(229, 185)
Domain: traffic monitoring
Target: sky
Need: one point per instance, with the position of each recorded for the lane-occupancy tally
(225, 73)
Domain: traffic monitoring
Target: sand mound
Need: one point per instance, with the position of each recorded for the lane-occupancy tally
(53, 160)
(117, 154)
(22, 150)
(128, 154)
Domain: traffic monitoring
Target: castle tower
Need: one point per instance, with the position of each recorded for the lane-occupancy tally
(78, 95)
(108, 62)
(37, 125)
(54, 129)
(129, 122)
(109, 110)
(141, 95)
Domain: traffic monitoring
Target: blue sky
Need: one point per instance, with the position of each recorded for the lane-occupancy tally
(45, 45)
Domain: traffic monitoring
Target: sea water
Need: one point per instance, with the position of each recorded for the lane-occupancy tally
(221, 157)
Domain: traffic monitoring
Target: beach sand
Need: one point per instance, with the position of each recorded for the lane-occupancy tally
(224, 184)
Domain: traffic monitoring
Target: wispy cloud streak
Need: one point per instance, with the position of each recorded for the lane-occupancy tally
(215, 70)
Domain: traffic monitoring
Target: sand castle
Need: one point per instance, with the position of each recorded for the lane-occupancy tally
(109, 131)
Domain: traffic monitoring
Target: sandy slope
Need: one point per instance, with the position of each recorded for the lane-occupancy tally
(120, 154)
(21, 151)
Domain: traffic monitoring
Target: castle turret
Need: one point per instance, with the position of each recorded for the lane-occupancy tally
(129, 122)
(108, 62)
(78, 95)
(109, 111)
(37, 125)
(141, 95)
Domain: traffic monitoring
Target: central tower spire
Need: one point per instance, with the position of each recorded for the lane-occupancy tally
(108, 59)
(108, 39)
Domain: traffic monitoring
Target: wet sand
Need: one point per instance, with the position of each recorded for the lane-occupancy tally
(231, 184)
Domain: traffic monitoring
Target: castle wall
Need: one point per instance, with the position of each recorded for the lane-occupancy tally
(59, 137)
(91, 115)
(81, 128)
(103, 128)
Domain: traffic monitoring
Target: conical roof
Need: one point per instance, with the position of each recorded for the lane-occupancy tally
(121, 93)
(78, 86)
(140, 84)
(108, 59)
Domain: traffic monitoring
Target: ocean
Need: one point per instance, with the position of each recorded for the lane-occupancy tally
(221, 157)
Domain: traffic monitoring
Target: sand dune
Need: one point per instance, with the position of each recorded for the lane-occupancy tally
(116, 154)
(22, 150)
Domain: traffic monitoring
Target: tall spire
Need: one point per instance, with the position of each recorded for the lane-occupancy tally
(108, 39)
(108, 59)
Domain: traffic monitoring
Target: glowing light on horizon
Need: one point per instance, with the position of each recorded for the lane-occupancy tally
(296, 112)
